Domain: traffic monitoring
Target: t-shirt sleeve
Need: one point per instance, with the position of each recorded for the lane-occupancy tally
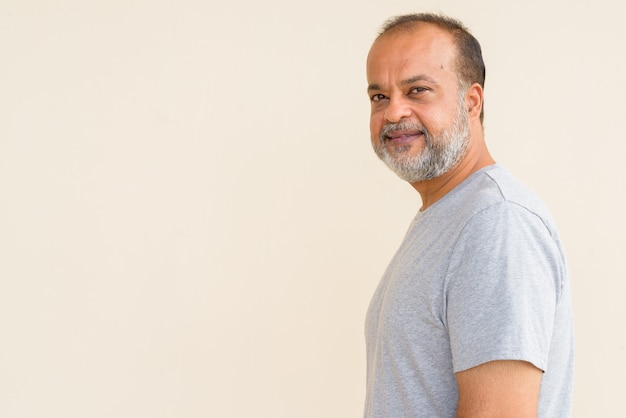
(502, 286)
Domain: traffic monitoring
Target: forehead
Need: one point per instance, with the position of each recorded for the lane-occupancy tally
(424, 49)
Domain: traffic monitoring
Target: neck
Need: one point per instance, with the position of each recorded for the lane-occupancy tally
(477, 157)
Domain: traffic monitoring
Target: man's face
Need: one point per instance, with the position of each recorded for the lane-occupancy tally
(419, 122)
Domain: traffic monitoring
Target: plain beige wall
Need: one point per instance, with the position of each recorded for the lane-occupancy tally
(192, 221)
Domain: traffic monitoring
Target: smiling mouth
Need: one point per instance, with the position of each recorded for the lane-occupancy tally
(402, 137)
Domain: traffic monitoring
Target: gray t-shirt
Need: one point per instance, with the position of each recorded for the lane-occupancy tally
(480, 276)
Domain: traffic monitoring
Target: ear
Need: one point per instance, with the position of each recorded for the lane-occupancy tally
(474, 101)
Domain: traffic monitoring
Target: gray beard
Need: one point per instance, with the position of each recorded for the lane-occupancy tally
(440, 154)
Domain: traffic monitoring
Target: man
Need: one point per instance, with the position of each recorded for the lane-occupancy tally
(472, 318)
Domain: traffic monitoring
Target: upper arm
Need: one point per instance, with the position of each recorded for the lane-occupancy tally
(501, 290)
(502, 388)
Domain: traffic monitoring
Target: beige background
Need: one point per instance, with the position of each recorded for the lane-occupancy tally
(192, 220)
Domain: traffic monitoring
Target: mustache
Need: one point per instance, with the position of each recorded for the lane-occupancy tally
(402, 126)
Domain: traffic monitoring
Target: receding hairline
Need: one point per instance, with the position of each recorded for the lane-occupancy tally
(409, 22)
(410, 28)
(413, 29)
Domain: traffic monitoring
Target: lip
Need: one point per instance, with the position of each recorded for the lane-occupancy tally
(402, 137)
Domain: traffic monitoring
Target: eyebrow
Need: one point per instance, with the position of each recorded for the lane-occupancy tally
(408, 81)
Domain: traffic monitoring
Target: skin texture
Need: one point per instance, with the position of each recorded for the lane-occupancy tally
(499, 389)
(412, 76)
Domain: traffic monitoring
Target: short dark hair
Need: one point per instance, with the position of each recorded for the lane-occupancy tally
(470, 64)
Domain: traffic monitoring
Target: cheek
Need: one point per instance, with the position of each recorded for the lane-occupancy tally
(442, 117)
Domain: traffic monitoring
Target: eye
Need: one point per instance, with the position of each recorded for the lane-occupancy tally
(418, 90)
(377, 97)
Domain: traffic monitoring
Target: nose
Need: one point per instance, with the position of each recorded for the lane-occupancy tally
(397, 109)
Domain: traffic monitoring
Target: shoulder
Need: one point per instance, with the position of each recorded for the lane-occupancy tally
(503, 224)
(494, 195)
(507, 235)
